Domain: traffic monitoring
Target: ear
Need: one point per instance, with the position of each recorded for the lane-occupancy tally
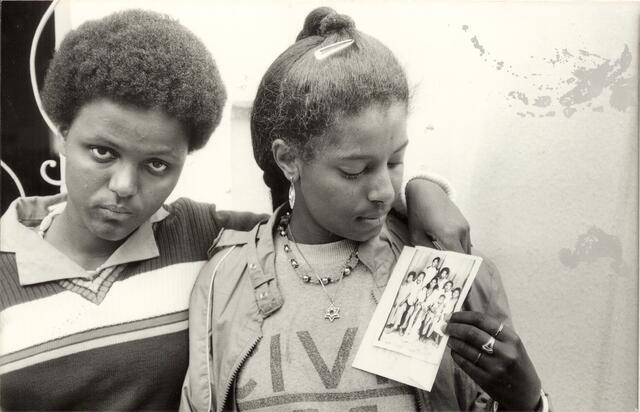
(61, 140)
(286, 158)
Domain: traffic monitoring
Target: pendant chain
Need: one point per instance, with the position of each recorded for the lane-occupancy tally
(332, 312)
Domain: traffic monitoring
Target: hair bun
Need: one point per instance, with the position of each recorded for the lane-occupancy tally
(335, 22)
(324, 21)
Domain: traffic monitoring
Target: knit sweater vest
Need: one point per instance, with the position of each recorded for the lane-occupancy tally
(130, 352)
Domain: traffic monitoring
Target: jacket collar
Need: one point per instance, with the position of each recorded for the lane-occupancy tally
(38, 261)
(377, 254)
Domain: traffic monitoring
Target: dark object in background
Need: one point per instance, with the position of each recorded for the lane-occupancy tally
(25, 142)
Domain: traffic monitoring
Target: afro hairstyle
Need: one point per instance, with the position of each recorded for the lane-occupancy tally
(139, 58)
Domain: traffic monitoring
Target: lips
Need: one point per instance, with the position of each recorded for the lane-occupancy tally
(372, 222)
(374, 216)
(377, 217)
(121, 210)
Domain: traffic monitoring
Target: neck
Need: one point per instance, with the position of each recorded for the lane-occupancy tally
(72, 238)
(307, 231)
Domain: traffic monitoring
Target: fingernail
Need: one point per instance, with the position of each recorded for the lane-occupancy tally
(447, 316)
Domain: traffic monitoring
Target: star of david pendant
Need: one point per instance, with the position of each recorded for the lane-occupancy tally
(332, 313)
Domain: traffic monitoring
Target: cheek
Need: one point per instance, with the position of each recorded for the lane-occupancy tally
(80, 165)
(337, 197)
(84, 176)
(155, 191)
(397, 174)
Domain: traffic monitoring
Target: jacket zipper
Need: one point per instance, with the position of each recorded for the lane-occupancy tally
(236, 369)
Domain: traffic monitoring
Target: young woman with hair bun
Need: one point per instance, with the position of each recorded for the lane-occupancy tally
(277, 314)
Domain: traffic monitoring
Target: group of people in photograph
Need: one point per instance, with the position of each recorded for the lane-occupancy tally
(421, 306)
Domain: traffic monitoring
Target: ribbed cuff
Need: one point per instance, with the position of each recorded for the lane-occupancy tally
(432, 177)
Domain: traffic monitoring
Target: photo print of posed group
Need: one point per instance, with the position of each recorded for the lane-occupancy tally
(434, 286)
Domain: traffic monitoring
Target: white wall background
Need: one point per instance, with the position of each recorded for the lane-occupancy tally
(529, 109)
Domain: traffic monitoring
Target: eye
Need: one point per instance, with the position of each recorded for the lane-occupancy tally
(102, 154)
(157, 166)
(395, 163)
(352, 172)
(352, 176)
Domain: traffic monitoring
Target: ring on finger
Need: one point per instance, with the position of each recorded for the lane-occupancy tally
(495, 335)
(475, 362)
(488, 346)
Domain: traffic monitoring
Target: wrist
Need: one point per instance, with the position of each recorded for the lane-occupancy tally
(541, 406)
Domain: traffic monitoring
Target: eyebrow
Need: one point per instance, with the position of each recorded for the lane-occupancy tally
(364, 157)
(102, 139)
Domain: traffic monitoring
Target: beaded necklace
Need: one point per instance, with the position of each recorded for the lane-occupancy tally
(308, 275)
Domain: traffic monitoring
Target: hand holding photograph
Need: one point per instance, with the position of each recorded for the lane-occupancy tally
(405, 340)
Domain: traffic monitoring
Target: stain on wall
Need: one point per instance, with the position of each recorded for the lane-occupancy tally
(574, 80)
(593, 245)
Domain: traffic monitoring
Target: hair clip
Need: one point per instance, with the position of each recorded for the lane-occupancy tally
(326, 51)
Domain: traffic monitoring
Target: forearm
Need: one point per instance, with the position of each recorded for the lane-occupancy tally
(429, 181)
(241, 221)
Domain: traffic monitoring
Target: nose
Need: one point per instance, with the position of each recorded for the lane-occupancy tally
(124, 180)
(382, 191)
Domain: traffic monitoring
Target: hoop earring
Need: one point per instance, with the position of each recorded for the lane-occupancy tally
(292, 195)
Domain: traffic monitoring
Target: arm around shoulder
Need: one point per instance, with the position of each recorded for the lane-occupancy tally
(240, 221)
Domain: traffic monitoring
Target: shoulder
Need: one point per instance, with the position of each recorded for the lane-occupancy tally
(189, 217)
(228, 238)
(184, 230)
(227, 258)
(189, 209)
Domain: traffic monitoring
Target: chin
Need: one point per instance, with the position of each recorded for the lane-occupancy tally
(365, 236)
(111, 235)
